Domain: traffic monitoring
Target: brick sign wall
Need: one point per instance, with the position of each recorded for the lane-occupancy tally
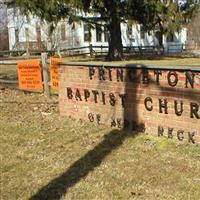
(157, 100)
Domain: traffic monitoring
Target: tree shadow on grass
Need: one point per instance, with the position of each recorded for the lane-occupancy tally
(59, 186)
(82, 167)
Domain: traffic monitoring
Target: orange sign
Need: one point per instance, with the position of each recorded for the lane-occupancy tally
(54, 71)
(30, 75)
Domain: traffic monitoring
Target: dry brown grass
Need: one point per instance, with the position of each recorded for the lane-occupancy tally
(83, 161)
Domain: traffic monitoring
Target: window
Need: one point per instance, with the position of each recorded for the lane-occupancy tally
(16, 35)
(142, 32)
(129, 30)
(27, 34)
(106, 34)
(99, 33)
(63, 32)
(87, 33)
(38, 32)
(170, 37)
(37, 27)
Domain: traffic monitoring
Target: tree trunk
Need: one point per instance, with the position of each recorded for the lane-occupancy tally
(115, 41)
(161, 35)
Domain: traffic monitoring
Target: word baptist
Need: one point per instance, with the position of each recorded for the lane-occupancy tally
(112, 99)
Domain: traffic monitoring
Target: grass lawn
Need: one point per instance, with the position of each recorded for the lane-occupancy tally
(10, 71)
(151, 60)
(44, 156)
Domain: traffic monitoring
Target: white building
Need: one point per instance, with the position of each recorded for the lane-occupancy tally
(30, 33)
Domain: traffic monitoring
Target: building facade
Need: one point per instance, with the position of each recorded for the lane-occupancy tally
(30, 33)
